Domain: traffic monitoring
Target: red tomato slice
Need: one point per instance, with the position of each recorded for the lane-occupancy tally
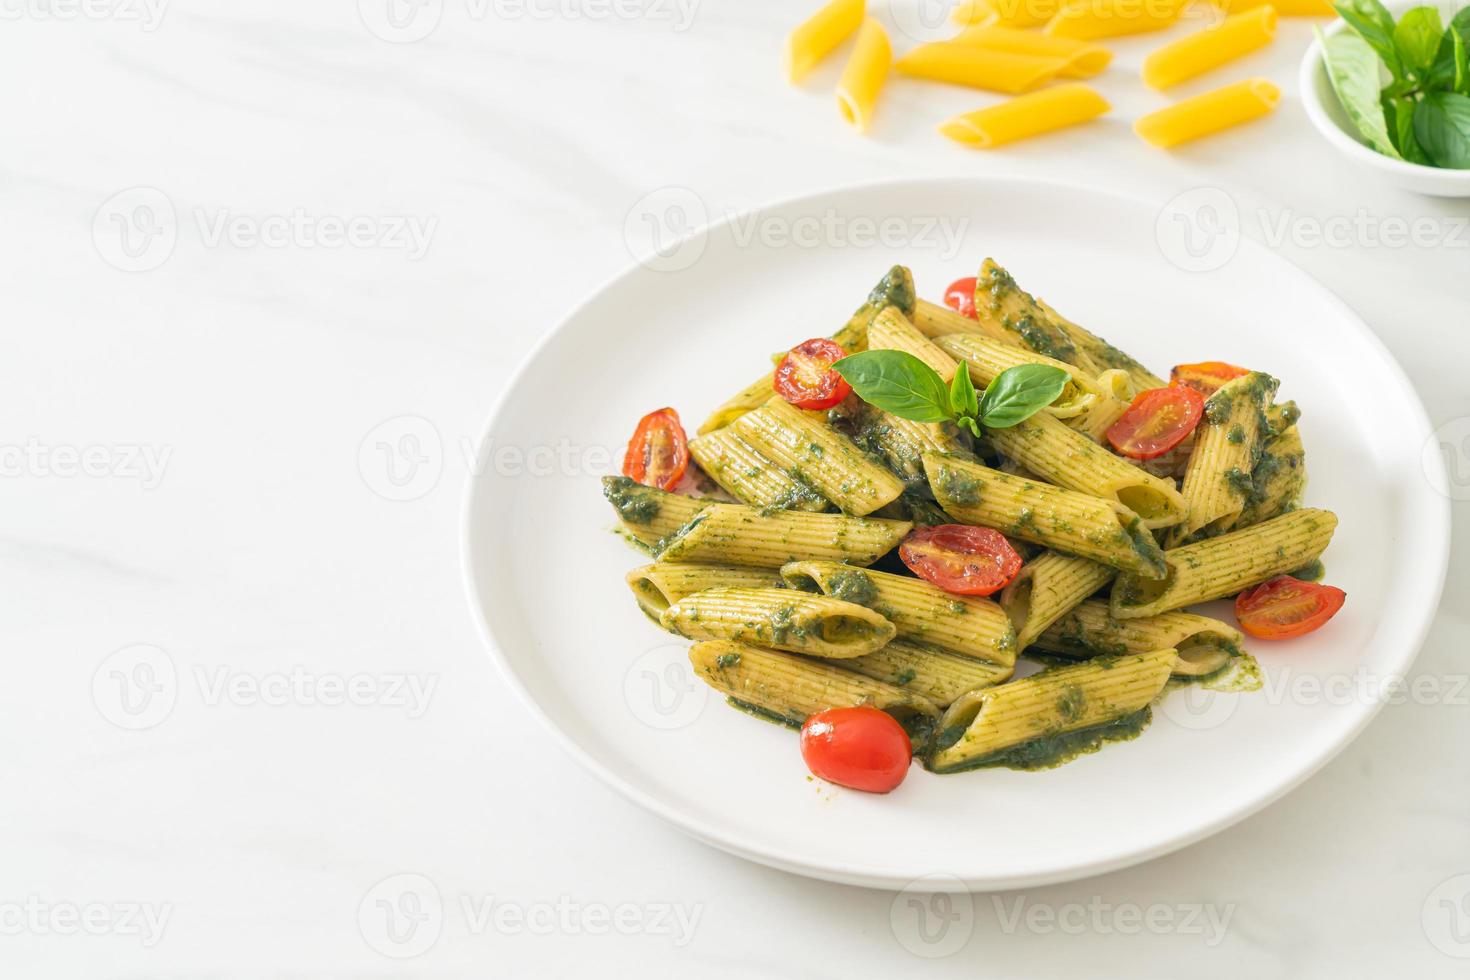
(960, 296)
(658, 453)
(1158, 420)
(861, 748)
(1205, 377)
(1286, 607)
(805, 377)
(961, 559)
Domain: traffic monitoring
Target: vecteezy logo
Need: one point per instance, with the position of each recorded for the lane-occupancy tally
(1449, 445)
(1198, 708)
(400, 21)
(136, 687)
(401, 916)
(402, 458)
(922, 20)
(661, 689)
(135, 230)
(1199, 230)
(1446, 917)
(934, 916)
(666, 230)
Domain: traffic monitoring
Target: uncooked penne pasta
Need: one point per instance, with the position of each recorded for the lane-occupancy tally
(976, 67)
(982, 726)
(1210, 48)
(935, 673)
(1081, 59)
(1004, 13)
(649, 514)
(862, 79)
(738, 535)
(987, 358)
(745, 474)
(1224, 565)
(1277, 480)
(1091, 19)
(1090, 527)
(1227, 442)
(790, 689)
(815, 38)
(923, 613)
(1026, 116)
(1190, 119)
(807, 448)
(1047, 588)
(782, 619)
(1284, 8)
(660, 585)
(1204, 645)
(1059, 455)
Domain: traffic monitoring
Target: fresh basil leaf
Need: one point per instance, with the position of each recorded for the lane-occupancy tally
(1374, 24)
(1442, 126)
(968, 422)
(1461, 81)
(897, 382)
(1399, 110)
(1416, 38)
(962, 397)
(1353, 68)
(1020, 392)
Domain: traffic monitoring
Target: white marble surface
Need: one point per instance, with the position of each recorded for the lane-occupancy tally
(232, 515)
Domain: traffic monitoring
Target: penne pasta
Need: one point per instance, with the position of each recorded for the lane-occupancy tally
(1227, 442)
(745, 474)
(1004, 13)
(1091, 19)
(790, 689)
(1284, 8)
(933, 320)
(815, 38)
(738, 535)
(1212, 112)
(1026, 116)
(988, 358)
(1047, 588)
(1009, 309)
(1224, 565)
(780, 618)
(923, 613)
(862, 79)
(1277, 480)
(649, 514)
(1204, 645)
(1100, 356)
(660, 585)
(891, 330)
(981, 727)
(976, 67)
(1080, 59)
(1064, 520)
(1210, 48)
(934, 673)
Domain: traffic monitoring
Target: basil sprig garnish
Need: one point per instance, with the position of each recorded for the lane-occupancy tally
(900, 384)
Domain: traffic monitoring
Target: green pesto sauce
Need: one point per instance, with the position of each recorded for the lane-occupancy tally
(852, 585)
(1236, 435)
(1240, 674)
(905, 676)
(1239, 482)
(1313, 571)
(726, 660)
(798, 495)
(756, 711)
(1051, 751)
(961, 489)
(635, 503)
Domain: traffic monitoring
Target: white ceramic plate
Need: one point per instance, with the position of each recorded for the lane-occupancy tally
(545, 572)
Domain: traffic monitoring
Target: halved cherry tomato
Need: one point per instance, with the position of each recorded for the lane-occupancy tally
(1158, 420)
(961, 559)
(960, 296)
(805, 377)
(861, 748)
(1286, 607)
(658, 453)
(1205, 377)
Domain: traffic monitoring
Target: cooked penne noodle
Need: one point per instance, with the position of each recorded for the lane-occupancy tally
(1091, 19)
(745, 474)
(1098, 418)
(935, 673)
(933, 320)
(1008, 308)
(1099, 355)
(923, 613)
(791, 689)
(1227, 442)
(1224, 565)
(862, 79)
(1026, 116)
(660, 585)
(1005, 13)
(903, 442)
(738, 535)
(815, 454)
(1277, 480)
(1047, 447)
(1210, 48)
(1202, 115)
(1047, 588)
(649, 514)
(1080, 59)
(980, 727)
(1091, 527)
(1204, 645)
(782, 619)
(988, 358)
(815, 38)
(984, 68)
(891, 330)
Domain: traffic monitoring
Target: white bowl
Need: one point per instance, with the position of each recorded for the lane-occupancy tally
(1327, 115)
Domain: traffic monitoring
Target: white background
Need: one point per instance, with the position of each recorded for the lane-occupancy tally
(263, 539)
